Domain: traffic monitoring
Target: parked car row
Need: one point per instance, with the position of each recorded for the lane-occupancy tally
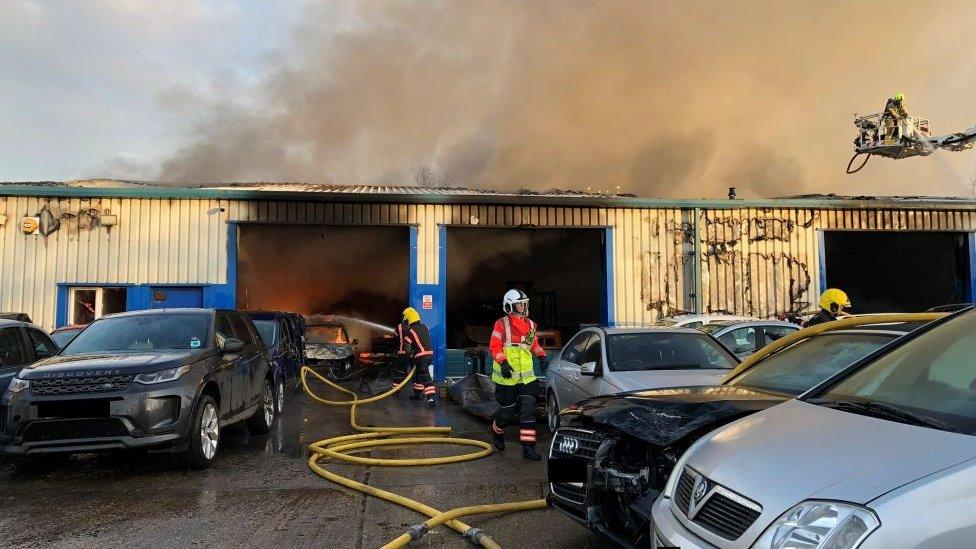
(164, 380)
(785, 451)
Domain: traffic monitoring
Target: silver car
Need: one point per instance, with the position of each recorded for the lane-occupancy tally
(744, 337)
(604, 361)
(883, 455)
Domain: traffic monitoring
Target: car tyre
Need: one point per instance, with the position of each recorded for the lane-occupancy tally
(552, 411)
(262, 420)
(203, 439)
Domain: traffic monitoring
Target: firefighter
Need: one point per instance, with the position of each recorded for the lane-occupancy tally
(894, 115)
(421, 356)
(832, 304)
(513, 343)
(401, 364)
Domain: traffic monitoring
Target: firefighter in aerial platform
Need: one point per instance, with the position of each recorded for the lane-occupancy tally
(421, 356)
(832, 305)
(513, 344)
(895, 117)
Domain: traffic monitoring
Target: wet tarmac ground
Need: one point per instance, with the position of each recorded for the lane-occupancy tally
(260, 492)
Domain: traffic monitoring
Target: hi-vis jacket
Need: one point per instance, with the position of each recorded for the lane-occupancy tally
(514, 339)
(418, 338)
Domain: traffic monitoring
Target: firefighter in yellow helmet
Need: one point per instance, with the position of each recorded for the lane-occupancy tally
(415, 342)
(832, 304)
(895, 113)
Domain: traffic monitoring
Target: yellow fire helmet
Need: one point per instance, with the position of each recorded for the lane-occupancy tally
(411, 315)
(898, 97)
(834, 300)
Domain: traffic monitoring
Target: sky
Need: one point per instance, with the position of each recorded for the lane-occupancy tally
(651, 97)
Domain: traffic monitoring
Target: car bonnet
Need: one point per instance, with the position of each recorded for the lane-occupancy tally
(797, 451)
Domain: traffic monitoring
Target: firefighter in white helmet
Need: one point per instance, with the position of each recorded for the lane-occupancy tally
(513, 344)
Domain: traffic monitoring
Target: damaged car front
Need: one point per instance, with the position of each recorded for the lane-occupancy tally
(614, 454)
(327, 346)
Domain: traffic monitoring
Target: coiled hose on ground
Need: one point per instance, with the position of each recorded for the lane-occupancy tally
(343, 448)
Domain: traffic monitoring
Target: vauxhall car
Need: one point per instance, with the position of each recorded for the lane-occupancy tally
(162, 380)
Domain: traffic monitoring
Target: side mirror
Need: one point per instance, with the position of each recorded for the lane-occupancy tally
(590, 369)
(232, 345)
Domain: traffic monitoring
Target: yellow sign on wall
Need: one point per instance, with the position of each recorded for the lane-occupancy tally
(30, 225)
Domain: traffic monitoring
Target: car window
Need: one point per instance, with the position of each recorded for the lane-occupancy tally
(267, 329)
(574, 349)
(740, 340)
(12, 351)
(665, 351)
(63, 337)
(933, 375)
(144, 332)
(593, 351)
(42, 343)
(224, 330)
(240, 329)
(693, 324)
(327, 333)
(775, 332)
(807, 363)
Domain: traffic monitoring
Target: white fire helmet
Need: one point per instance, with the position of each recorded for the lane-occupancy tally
(511, 298)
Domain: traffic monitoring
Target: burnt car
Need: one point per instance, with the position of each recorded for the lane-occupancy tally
(162, 380)
(285, 349)
(328, 347)
(614, 454)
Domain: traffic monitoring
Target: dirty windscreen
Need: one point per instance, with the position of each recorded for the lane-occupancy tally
(809, 362)
(928, 381)
(142, 333)
(327, 333)
(665, 351)
(268, 330)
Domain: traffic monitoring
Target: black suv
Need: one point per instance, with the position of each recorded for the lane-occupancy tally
(167, 379)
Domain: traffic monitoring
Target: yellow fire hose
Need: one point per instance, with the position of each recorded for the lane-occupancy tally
(341, 448)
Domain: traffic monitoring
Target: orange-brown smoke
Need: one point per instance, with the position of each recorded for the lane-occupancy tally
(658, 98)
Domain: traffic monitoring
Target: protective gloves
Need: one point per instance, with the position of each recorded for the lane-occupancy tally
(506, 369)
(544, 363)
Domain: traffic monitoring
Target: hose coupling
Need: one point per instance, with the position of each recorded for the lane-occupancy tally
(417, 531)
(474, 535)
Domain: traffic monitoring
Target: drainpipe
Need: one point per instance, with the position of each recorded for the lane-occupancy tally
(697, 261)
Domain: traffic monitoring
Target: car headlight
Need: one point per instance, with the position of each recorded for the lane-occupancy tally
(820, 525)
(162, 376)
(17, 385)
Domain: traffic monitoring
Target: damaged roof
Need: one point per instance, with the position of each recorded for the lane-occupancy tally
(330, 192)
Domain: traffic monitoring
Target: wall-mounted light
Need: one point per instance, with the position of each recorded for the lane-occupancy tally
(108, 220)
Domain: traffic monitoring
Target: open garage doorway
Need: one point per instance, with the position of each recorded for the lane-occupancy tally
(898, 271)
(562, 271)
(359, 273)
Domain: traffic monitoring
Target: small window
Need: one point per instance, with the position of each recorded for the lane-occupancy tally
(574, 350)
(43, 345)
(88, 304)
(241, 329)
(776, 332)
(12, 351)
(224, 329)
(594, 351)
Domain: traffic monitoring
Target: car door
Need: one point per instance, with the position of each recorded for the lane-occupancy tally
(226, 366)
(564, 372)
(291, 347)
(593, 385)
(247, 366)
(14, 354)
(41, 344)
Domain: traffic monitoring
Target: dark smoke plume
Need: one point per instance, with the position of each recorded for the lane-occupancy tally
(659, 98)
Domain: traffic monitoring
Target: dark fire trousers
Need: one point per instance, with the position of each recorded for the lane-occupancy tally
(508, 396)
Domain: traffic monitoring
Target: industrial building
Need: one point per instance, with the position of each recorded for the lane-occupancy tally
(70, 252)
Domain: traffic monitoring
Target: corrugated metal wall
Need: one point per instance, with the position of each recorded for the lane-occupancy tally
(753, 261)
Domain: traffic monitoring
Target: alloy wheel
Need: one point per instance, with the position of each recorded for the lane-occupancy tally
(209, 431)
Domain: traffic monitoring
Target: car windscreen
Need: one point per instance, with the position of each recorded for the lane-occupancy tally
(268, 330)
(929, 380)
(63, 337)
(327, 333)
(142, 333)
(809, 362)
(665, 351)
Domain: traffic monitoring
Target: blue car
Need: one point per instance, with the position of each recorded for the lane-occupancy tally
(282, 333)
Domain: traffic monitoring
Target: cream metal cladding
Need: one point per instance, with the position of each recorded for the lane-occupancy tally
(756, 261)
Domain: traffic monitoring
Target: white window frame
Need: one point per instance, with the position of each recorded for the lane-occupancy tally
(99, 292)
